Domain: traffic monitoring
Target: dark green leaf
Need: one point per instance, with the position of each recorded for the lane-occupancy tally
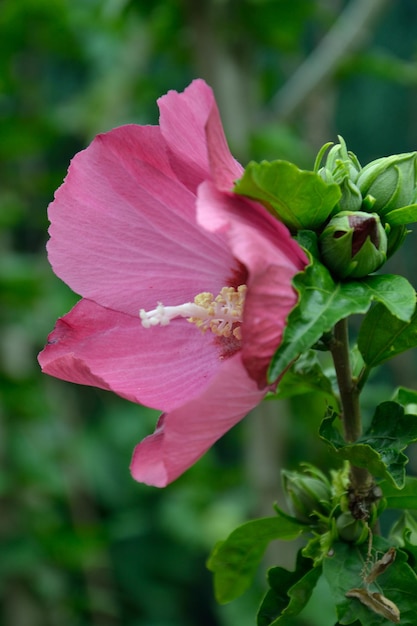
(235, 560)
(323, 302)
(344, 570)
(301, 199)
(383, 336)
(403, 533)
(380, 448)
(305, 376)
(404, 498)
(309, 241)
(289, 593)
(405, 215)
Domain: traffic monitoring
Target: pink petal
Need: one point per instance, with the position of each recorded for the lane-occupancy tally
(182, 122)
(271, 258)
(123, 229)
(225, 170)
(159, 366)
(191, 125)
(183, 435)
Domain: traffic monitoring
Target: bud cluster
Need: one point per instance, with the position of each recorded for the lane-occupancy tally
(358, 237)
(325, 506)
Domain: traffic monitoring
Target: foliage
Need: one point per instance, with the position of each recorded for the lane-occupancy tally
(80, 543)
(338, 518)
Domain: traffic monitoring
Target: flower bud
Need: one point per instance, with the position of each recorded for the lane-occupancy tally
(351, 529)
(307, 494)
(342, 167)
(353, 244)
(342, 163)
(390, 180)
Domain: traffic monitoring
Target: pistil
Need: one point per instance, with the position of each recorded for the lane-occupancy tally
(222, 315)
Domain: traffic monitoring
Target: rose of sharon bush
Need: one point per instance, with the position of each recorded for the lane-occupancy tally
(185, 286)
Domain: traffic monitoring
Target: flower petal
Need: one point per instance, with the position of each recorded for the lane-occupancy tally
(191, 126)
(225, 170)
(159, 366)
(123, 229)
(271, 258)
(183, 435)
(182, 121)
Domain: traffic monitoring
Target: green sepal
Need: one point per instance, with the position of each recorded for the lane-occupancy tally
(288, 594)
(234, 561)
(323, 302)
(382, 335)
(379, 449)
(401, 217)
(300, 199)
(344, 570)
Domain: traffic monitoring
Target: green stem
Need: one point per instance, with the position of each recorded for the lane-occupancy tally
(361, 480)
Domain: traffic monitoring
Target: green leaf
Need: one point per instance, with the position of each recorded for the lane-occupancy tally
(404, 498)
(323, 302)
(288, 594)
(235, 560)
(344, 570)
(380, 448)
(403, 533)
(305, 376)
(394, 292)
(382, 335)
(406, 397)
(301, 199)
(402, 216)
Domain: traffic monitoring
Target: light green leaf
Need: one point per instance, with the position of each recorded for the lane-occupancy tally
(382, 335)
(301, 199)
(235, 560)
(288, 594)
(394, 292)
(406, 397)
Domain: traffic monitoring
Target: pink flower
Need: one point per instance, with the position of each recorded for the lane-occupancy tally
(145, 221)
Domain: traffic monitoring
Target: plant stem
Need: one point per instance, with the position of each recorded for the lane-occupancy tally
(361, 479)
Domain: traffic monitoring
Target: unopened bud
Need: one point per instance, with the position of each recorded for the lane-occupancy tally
(391, 181)
(342, 163)
(351, 529)
(353, 244)
(307, 494)
(342, 167)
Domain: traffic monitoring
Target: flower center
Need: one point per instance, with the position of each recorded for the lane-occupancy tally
(221, 314)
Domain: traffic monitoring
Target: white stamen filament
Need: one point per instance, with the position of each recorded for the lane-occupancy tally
(221, 314)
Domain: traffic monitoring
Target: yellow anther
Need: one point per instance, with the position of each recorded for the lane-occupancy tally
(223, 312)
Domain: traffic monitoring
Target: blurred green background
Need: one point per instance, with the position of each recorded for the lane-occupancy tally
(81, 543)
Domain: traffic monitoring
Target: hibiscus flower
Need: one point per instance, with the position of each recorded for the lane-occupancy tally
(185, 286)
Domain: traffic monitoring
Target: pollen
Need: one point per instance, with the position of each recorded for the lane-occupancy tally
(221, 314)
